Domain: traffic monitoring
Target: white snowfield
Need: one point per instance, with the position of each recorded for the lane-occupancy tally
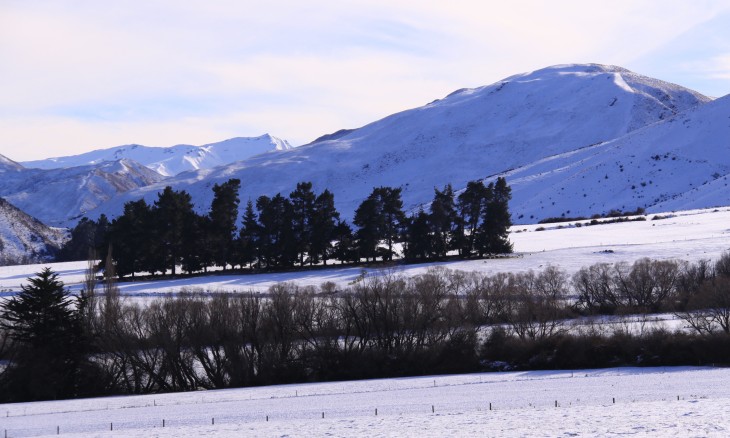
(682, 401)
(688, 235)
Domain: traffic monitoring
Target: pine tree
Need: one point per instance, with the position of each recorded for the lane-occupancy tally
(302, 201)
(222, 224)
(471, 204)
(130, 236)
(443, 219)
(276, 238)
(248, 238)
(48, 341)
(419, 240)
(367, 217)
(497, 219)
(380, 218)
(172, 213)
(324, 223)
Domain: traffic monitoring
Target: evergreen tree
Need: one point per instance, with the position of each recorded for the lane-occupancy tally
(345, 249)
(471, 204)
(367, 217)
(302, 201)
(497, 219)
(277, 245)
(48, 342)
(380, 218)
(172, 212)
(324, 224)
(248, 238)
(130, 236)
(419, 241)
(443, 220)
(87, 235)
(222, 224)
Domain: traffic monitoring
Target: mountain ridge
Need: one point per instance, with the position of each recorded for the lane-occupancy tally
(172, 160)
(469, 134)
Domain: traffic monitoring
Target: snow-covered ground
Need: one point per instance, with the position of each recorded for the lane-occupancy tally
(682, 401)
(690, 235)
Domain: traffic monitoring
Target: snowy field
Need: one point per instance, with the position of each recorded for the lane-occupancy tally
(689, 235)
(681, 401)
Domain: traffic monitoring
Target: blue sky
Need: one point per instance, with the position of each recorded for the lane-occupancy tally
(83, 75)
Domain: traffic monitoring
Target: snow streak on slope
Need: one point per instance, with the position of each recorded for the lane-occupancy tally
(678, 164)
(62, 196)
(172, 160)
(24, 239)
(470, 134)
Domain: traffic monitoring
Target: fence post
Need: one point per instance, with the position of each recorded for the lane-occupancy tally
(163, 422)
(58, 430)
(212, 421)
(433, 409)
(376, 412)
(267, 418)
(614, 400)
(490, 406)
(556, 403)
(111, 426)
(322, 414)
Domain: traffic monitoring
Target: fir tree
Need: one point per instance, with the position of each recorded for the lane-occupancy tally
(222, 224)
(48, 341)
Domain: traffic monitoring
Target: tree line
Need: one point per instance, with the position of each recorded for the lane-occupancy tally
(443, 321)
(301, 229)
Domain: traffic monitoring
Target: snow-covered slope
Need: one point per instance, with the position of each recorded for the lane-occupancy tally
(24, 239)
(172, 160)
(470, 134)
(61, 196)
(678, 164)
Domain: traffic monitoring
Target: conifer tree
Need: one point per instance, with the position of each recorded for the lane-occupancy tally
(419, 240)
(443, 219)
(497, 219)
(248, 237)
(222, 224)
(471, 204)
(48, 341)
(172, 212)
(324, 223)
(302, 201)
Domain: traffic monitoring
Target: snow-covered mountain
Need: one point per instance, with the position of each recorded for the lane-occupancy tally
(24, 239)
(678, 164)
(172, 160)
(62, 196)
(471, 134)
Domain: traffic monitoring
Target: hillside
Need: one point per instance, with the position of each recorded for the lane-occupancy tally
(470, 134)
(678, 164)
(60, 196)
(24, 239)
(172, 160)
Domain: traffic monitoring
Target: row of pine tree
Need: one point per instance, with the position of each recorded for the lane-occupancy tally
(302, 229)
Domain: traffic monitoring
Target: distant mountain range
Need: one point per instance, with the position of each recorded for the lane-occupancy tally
(572, 140)
(169, 161)
(60, 197)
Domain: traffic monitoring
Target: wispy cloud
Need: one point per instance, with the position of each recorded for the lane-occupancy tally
(79, 75)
